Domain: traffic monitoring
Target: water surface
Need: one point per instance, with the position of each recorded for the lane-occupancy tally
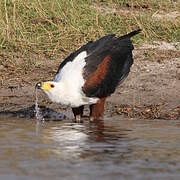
(110, 150)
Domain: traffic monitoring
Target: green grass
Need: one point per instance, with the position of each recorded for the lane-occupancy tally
(54, 28)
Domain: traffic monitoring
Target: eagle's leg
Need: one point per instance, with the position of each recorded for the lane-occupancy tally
(78, 113)
(97, 110)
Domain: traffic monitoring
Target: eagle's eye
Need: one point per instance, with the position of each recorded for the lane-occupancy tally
(52, 85)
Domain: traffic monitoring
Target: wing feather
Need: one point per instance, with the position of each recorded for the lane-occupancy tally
(108, 66)
(90, 48)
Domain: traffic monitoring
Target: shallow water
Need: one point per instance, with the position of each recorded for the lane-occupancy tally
(115, 149)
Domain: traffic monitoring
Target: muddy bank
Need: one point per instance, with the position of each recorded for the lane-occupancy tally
(151, 91)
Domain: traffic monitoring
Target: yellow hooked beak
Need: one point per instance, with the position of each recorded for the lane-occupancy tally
(45, 86)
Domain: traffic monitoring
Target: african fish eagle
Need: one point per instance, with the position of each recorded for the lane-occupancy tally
(91, 74)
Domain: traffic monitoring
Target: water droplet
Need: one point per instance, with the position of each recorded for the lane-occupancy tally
(38, 113)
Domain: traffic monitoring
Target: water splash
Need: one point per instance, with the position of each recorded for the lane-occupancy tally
(37, 111)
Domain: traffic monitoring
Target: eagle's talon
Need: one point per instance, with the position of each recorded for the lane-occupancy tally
(78, 119)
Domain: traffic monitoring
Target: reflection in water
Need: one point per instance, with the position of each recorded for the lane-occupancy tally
(97, 129)
(75, 140)
(69, 140)
(107, 149)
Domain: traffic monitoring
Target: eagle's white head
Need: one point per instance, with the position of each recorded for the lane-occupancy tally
(54, 90)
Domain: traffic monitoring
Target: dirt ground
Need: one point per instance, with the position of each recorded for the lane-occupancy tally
(151, 91)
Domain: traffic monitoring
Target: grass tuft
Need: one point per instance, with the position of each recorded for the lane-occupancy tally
(57, 27)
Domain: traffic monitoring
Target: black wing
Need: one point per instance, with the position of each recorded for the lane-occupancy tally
(90, 47)
(108, 66)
